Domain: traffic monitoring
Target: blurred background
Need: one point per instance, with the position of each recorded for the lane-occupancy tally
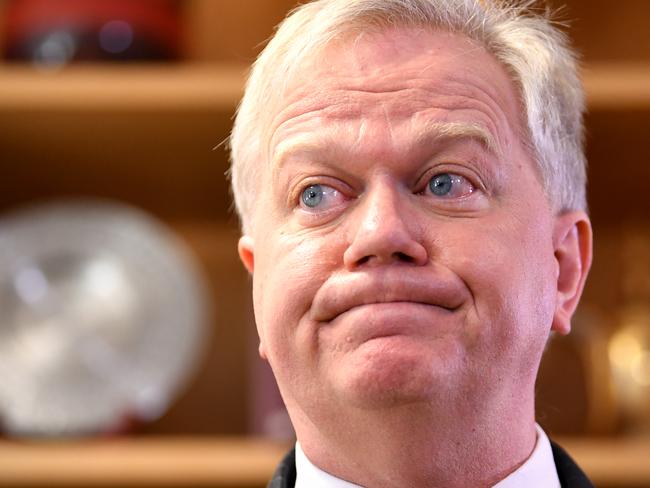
(113, 117)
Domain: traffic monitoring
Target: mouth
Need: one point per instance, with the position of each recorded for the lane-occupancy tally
(389, 320)
(386, 294)
(384, 306)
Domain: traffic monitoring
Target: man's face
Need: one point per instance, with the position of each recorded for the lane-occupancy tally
(403, 248)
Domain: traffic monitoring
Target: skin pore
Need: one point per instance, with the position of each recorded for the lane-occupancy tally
(407, 265)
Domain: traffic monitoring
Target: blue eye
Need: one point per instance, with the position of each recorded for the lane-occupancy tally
(312, 196)
(320, 198)
(441, 184)
(450, 185)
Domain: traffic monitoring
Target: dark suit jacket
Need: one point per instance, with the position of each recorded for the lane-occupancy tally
(571, 476)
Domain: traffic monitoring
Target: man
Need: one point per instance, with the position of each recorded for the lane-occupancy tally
(411, 182)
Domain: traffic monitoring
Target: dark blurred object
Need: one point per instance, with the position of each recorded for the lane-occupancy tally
(52, 33)
(629, 348)
(102, 318)
(575, 395)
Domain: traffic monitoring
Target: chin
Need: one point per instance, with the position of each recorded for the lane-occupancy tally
(388, 373)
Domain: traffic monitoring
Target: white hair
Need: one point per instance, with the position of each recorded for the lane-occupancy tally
(523, 39)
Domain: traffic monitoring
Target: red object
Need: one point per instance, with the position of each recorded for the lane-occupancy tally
(158, 20)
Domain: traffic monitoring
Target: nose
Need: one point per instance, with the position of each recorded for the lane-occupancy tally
(384, 231)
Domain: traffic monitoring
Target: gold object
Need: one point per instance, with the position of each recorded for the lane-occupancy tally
(629, 356)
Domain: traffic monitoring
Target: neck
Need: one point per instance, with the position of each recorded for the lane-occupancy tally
(421, 446)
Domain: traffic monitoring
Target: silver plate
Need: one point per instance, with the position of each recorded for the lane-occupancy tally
(102, 315)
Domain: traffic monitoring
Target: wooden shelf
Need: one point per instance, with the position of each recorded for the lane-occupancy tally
(123, 88)
(228, 462)
(185, 86)
(238, 462)
(619, 462)
(617, 86)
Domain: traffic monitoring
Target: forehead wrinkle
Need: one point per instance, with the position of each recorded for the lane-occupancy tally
(389, 123)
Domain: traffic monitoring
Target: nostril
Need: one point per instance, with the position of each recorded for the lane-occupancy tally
(364, 260)
(400, 256)
(395, 257)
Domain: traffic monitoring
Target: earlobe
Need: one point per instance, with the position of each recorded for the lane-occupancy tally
(262, 351)
(246, 249)
(572, 242)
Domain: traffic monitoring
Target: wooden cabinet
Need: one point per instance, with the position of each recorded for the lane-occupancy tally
(153, 135)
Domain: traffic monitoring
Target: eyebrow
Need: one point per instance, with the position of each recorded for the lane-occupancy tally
(431, 133)
(445, 131)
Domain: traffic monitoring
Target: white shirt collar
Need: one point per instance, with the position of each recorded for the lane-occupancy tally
(309, 476)
(537, 472)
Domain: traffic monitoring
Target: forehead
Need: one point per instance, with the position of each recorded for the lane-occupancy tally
(413, 77)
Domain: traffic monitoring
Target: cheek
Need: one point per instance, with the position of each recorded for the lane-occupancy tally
(289, 271)
(509, 269)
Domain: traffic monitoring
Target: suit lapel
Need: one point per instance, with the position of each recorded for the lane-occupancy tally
(285, 474)
(571, 476)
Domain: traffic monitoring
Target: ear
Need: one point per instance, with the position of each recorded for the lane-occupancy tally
(572, 243)
(246, 249)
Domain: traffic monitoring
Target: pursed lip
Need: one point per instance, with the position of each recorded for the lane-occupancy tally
(342, 293)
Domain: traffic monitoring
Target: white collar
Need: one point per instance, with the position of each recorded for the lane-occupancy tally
(309, 476)
(537, 472)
